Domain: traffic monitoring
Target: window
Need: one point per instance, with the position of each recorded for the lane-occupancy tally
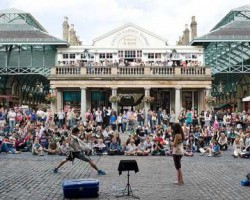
(120, 54)
(187, 100)
(129, 54)
(151, 55)
(139, 54)
(109, 55)
(158, 55)
(102, 55)
(82, 56)
(65, 56)
(194, 56)
(72, 56)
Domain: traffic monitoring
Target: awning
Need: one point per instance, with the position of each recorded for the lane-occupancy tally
(246, 99)
(226, 105)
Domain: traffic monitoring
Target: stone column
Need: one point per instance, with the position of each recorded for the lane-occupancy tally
(146, 105)
(52, 104)
(207, 93)
(239, 105)
(83, 102)
(114, 104)
(58, 100)
(201, 104)
(20, 95)
(177, 102)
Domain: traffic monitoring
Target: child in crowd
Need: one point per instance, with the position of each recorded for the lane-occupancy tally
(37, 148)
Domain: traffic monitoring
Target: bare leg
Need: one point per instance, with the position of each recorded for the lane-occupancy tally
(180, 176)
(61, 164)
(93, 165)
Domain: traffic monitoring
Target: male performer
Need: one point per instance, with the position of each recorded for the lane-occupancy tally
(76, 146)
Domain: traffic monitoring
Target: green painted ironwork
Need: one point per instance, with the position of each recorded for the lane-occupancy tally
(25, 46)
(227, 46)
(14, 16)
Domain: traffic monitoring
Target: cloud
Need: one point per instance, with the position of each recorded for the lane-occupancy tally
(93, 18)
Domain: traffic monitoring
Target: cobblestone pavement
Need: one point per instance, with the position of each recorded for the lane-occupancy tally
(26, 176)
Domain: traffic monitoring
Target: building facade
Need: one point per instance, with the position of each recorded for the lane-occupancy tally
(130, 67)
(27, 53)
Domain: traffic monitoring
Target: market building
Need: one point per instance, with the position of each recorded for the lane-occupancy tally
(133, 66)
(130, 67)
(27, 53)
(227, 52)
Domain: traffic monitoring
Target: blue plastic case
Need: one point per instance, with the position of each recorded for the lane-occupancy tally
(80, 188)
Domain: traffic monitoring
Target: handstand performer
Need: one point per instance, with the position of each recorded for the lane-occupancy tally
(76, 147)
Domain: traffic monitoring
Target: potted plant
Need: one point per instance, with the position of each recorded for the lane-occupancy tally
(115, 99)
(50, 98)
(148, 99)
(210, 100)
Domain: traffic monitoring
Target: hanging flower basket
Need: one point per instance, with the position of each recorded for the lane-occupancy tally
(148, 99)
(51, 98)
(115, 99)
(210, 100)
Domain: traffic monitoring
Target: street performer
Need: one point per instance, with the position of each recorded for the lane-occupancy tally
(77, 147)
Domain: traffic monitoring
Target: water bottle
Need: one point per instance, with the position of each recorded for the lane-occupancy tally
(114, 189)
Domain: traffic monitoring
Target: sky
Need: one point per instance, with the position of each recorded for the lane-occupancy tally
(93, 18)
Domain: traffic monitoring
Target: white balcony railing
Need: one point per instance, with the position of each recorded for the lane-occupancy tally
(130, 71)
(68, 70)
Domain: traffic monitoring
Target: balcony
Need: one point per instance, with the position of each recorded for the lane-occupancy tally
(140, 72)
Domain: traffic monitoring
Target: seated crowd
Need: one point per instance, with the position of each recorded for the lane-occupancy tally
(148, 134)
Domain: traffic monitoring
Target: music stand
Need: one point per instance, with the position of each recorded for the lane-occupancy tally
(128, 165)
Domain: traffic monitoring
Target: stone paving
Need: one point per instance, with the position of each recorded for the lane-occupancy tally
(26, 176)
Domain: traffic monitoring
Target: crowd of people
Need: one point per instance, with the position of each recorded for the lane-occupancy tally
(148, 133)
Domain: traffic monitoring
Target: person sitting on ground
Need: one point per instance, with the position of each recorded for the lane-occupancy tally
(20, 144)
(115, 148)
(64, 147)
(200, 143)
(142, 150)
(223, 142)
(137, 140)
(237, 147)
(37, 149)
(148, 144)
(7, 145)
(131, 148)
(43, 140)
(246, 152)
(100, 147)
(158, 148)
(52, 148)
(214, 150)
(141, 132)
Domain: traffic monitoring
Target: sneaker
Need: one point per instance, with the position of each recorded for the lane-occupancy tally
(209, 155)
(55, 170)
(101, 172)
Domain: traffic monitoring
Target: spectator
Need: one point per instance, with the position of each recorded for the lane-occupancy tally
(237, 147)
(213, 151)
(223, 142)
(37, 149)
(12, 119)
